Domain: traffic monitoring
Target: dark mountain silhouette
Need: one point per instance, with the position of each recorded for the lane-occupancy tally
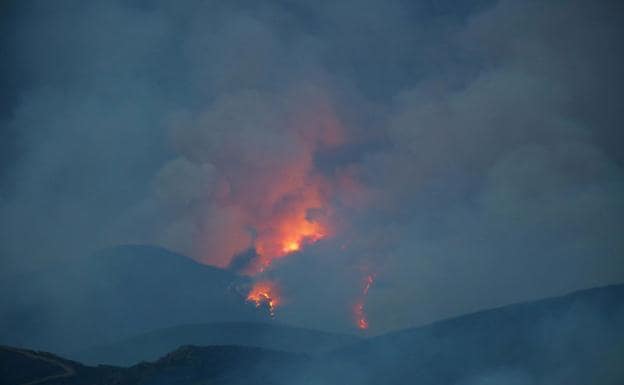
(186, 365)
(18, 366)
(118, 293)
(29, 367)
(152, 345)
(576, 339)
(219, 365)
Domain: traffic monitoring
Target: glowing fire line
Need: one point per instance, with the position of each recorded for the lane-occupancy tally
(360, 313)
(267, 293)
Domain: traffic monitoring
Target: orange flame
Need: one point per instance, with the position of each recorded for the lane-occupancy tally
(289, 237)
(265, 293)
(293, 225)
(360, 313)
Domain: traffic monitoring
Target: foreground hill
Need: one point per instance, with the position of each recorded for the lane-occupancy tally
(576, 339)
(215, 365)
(218, 365)
(29, 367)
(150, 346)
(118, 293)
(18, 366)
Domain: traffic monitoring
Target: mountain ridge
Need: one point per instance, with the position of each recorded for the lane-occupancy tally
(576, 339)
(154, 344)
(116, 293)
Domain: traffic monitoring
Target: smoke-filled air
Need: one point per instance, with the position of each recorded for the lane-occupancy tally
(311, 192)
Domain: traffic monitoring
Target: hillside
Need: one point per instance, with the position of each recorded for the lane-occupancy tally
(18, 366)
(216, 365)
(576, 339)
(118, 293)
(219, 365)
(150, 346)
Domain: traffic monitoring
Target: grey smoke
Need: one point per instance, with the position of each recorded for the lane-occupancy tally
(486, 136)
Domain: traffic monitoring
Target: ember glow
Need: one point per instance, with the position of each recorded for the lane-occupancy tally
(359, 311)
(265, 293)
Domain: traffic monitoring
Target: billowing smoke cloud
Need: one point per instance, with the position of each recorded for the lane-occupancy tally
(248, 161)
(466, 153)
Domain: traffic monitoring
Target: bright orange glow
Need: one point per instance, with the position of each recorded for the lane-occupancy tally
(358, 310)
(291, 247)
(300, 221)
(265, 293)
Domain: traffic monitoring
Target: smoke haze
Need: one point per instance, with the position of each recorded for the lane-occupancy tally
(466, 153)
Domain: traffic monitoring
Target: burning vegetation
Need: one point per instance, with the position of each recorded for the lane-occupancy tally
(359, 311)
(295, 237)
(265, 294)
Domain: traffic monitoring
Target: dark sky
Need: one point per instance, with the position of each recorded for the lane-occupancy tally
(468, 152)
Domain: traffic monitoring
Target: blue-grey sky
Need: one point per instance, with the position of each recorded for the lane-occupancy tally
(479, 161)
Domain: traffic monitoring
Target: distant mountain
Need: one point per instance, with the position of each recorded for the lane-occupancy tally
(576, 339)
(150, 346)
(117, 293)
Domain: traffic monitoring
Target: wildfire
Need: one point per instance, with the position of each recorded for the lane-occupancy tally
(287, 231)
(291, 247)
(265, 293)
(360, 316)
(270, 199)
(289, 238)
(299, 221)
(360, 313)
